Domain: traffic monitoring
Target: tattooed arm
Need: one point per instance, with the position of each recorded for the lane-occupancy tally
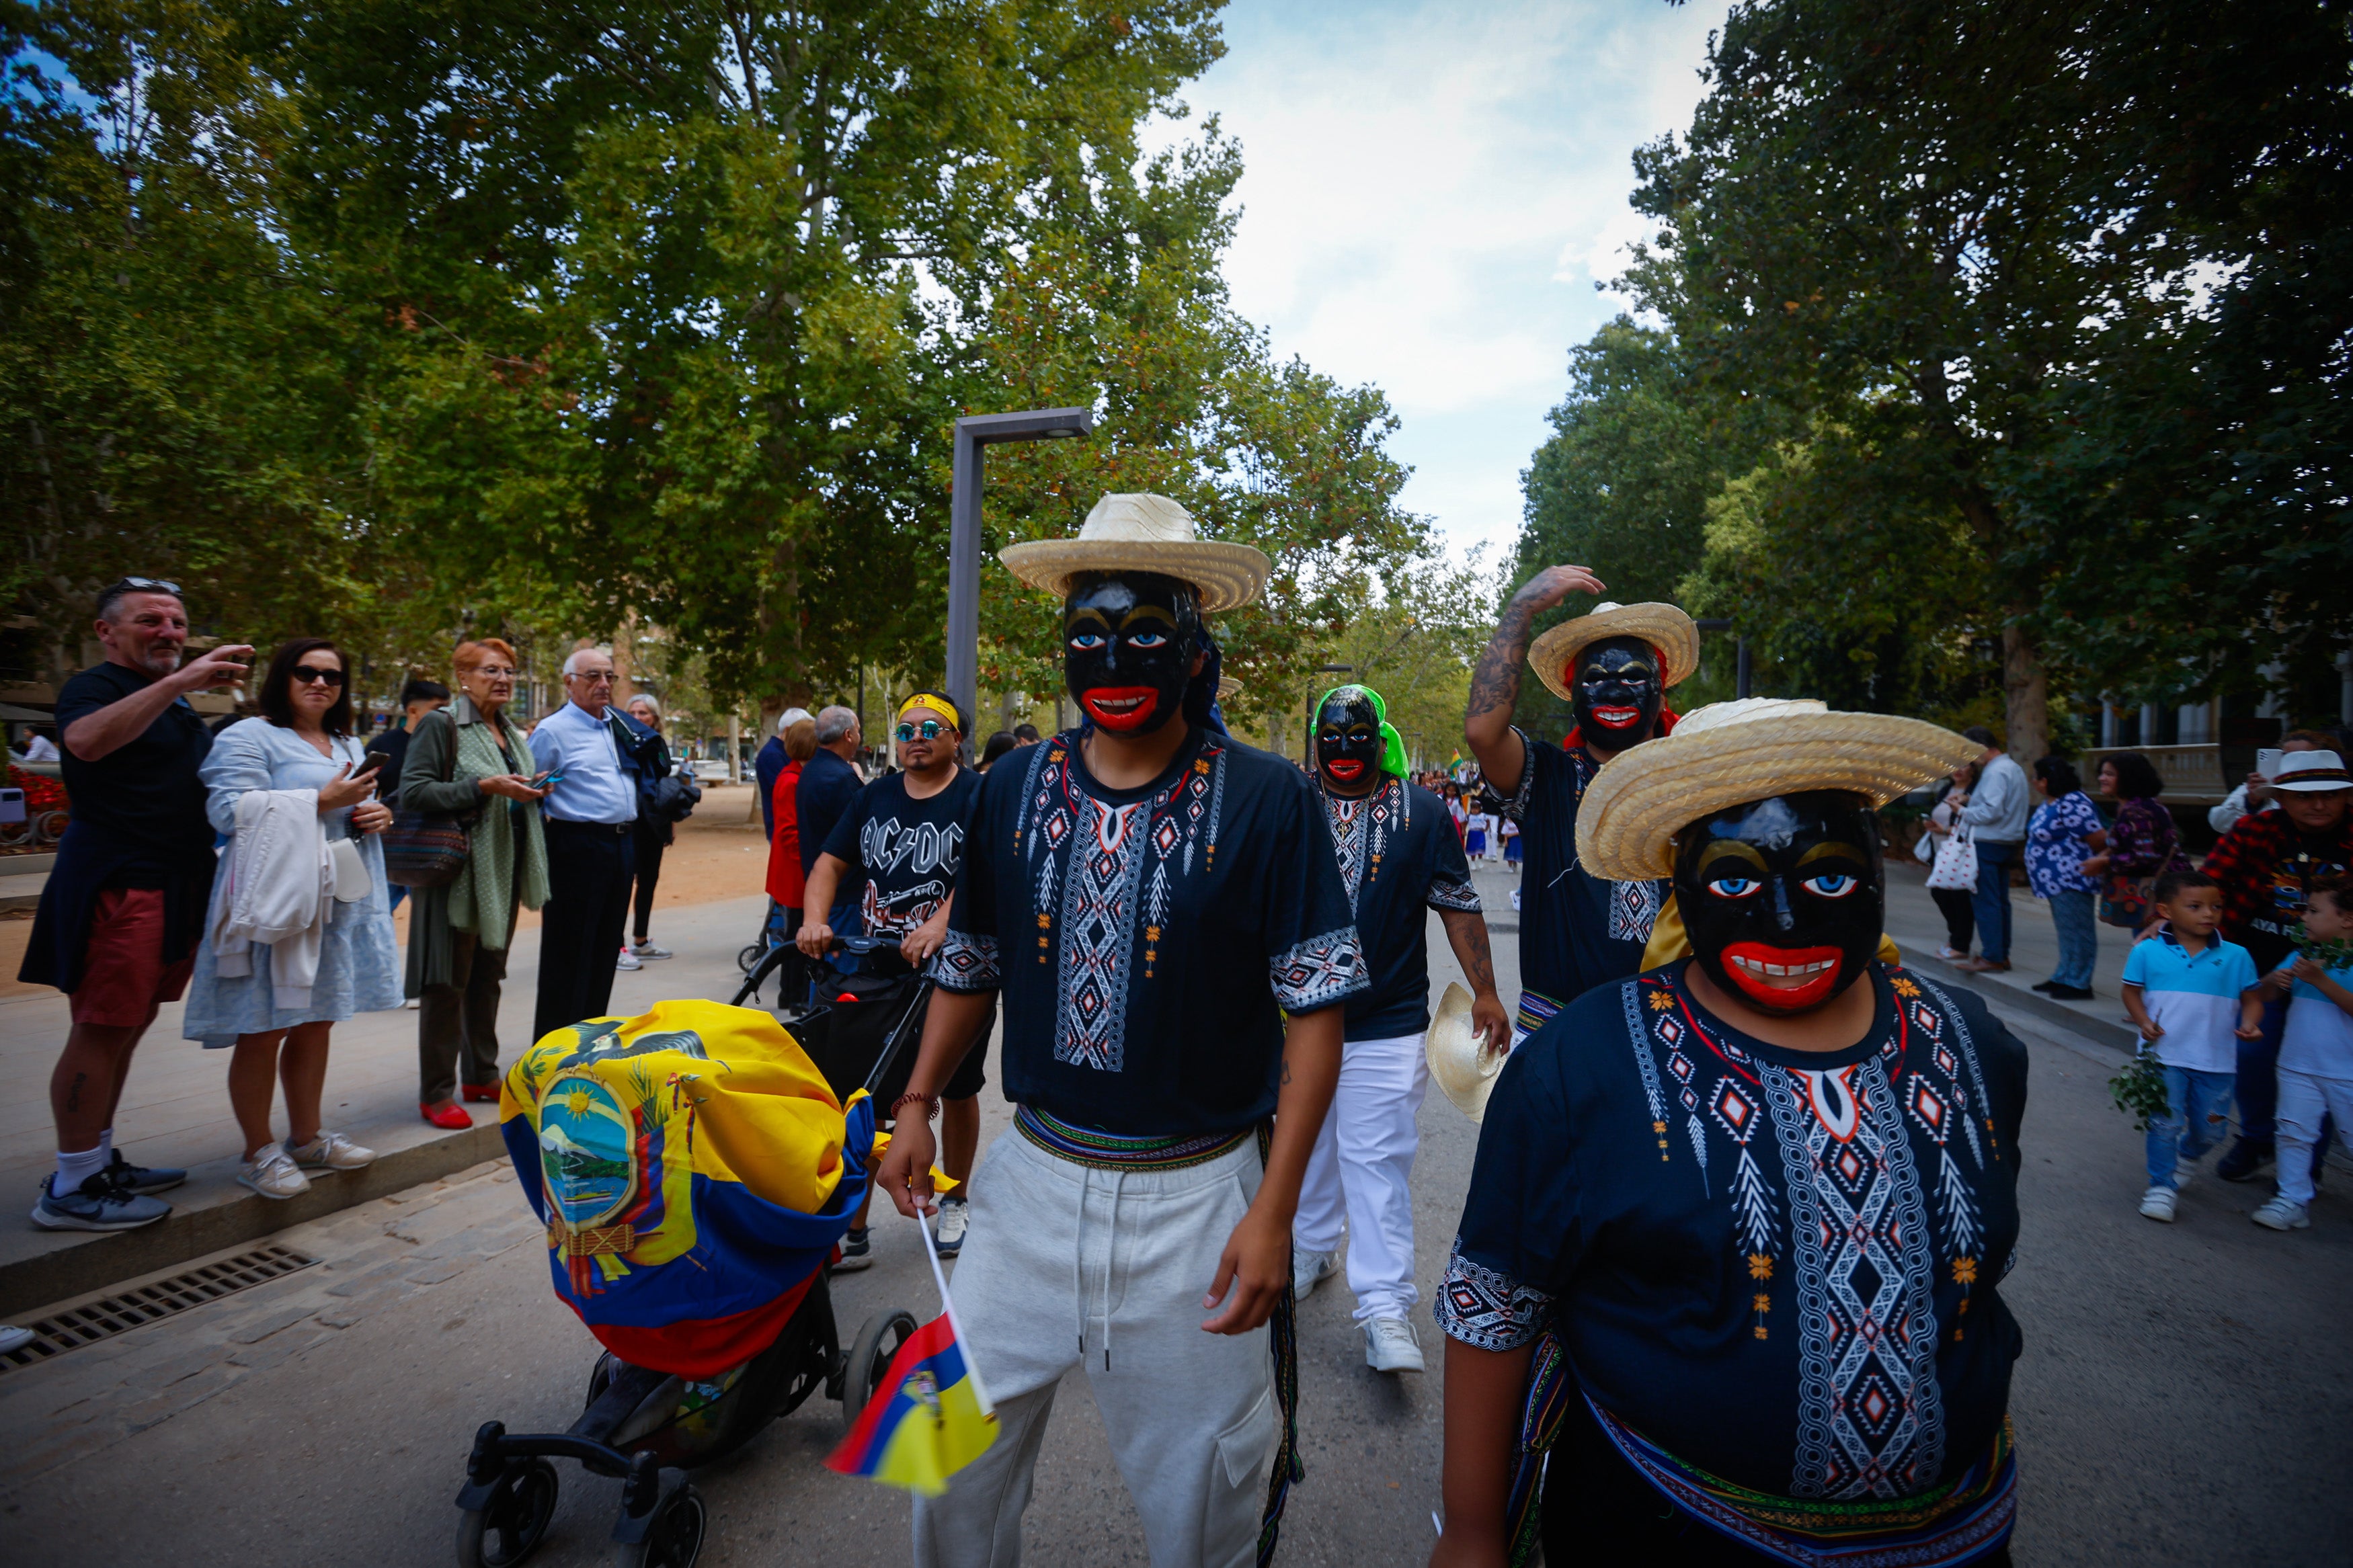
(1466, 932)
(1496, 684)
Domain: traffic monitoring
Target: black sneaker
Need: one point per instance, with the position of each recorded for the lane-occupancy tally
(142, 1179)
(857, 1253)
(99, 1204)
(2070, 992)
(2247, 1156)
(2044, 986)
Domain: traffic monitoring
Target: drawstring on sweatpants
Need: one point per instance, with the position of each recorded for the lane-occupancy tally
(1081, 1297)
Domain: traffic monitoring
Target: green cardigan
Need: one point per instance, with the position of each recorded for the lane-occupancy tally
(428, 783)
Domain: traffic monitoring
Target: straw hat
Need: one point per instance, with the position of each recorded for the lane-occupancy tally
(1464, 1071)
(1228, 687)
(1728, 753)
(1144, 533)
(1663, 626)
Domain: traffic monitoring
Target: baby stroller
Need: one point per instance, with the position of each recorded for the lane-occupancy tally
(638, 1419)
(772, 952)
(865, 1013)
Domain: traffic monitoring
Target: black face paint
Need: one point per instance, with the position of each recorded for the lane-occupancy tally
(1128, 647)
(1348, 744)
(1615, 688)
(1783, 899)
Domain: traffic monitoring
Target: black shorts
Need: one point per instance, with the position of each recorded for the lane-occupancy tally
(971, 1075)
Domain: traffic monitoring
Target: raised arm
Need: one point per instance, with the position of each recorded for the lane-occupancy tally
(116, 725)
(1496, 683)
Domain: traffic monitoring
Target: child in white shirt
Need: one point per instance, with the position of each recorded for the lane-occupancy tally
(2316, 1058)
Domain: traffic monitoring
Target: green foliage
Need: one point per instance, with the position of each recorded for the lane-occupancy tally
(2139, 1089)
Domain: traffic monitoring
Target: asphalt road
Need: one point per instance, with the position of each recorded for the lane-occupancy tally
(2178, 1399)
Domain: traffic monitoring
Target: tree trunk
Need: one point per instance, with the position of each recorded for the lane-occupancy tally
(2026, 689)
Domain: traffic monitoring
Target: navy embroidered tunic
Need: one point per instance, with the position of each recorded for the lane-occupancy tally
(1399, 856)
(1576, 930)
(1778, 1265)
(1147, 942)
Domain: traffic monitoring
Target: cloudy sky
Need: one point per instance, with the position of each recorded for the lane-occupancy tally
(1432, 191)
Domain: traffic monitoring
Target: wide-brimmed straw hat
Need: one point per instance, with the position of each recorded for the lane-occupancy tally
(1465, 1072)
(1143, 532)
(1228, 687)
(1728, 753)
(1664, 626)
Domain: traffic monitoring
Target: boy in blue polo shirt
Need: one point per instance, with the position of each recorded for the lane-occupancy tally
(2315, 1060)
(2193, 996)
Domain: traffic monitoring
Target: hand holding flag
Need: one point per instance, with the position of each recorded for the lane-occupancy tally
(929, 1417)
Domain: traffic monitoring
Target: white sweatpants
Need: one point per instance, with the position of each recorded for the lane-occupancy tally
(2304, 1099)
(1066, 1266)
(1362, 1171)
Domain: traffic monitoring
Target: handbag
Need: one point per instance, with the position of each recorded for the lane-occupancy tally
(1956, 870)
(428, 849)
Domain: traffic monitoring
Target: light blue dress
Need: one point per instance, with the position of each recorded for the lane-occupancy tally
(359, 963)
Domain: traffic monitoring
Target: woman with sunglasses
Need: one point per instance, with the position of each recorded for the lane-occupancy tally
(302, 741)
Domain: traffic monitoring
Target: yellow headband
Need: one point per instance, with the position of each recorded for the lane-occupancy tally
(936, 703)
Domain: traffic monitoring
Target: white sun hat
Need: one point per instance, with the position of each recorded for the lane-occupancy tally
(2311, 773)
(1465, 1071)
(1143, 532)
(1729, 753)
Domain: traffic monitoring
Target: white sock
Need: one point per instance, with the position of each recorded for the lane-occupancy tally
(106, 1146)
(73, 1170)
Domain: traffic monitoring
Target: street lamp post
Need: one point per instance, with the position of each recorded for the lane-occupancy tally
(1740, 665)
(972, 434)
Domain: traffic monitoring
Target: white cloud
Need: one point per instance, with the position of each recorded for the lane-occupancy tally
(1431, 193)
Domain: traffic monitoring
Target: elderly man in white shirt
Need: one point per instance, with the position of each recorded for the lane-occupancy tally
(1996, 815)
(591, 805)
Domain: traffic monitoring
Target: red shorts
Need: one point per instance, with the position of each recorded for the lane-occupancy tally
(123, 976)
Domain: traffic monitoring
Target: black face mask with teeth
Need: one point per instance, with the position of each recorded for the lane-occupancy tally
(1616, 689)
(1129, 639)
(1783, 897)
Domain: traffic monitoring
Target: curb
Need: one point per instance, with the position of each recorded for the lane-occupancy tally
(2079, 1018)
(223, 1215)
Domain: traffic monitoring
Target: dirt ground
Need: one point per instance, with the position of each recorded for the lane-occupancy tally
(719, 853)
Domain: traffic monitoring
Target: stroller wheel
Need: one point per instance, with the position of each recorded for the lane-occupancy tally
(870, 1357)
(511, 1526)
(675, 1539)
(750, 956)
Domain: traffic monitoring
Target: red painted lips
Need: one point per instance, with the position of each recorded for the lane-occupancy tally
(1785, 979)
(1120, 708)
(1618, 718)
(1347, 770)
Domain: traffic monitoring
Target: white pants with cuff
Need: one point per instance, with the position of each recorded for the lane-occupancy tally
(2304, 1099)
(1362, 1171)
(1067, 1265)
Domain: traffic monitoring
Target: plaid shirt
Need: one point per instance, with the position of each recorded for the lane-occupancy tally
(2263, 866)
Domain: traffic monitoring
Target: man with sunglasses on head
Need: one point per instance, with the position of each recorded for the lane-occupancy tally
(895, 854)
(125, 905)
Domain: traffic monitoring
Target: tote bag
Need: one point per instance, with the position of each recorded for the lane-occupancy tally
(1956, 870)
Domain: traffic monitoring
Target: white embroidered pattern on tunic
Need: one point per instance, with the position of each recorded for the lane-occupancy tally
(966, 962)
(1634, 910)
(1097, 920)
(1319, 972)
(1486, 1308)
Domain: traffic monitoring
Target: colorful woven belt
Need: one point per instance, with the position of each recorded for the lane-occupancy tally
(1108, 1151)
(1536, 1010)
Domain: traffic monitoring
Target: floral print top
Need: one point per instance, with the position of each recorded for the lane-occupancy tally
(2055, 850)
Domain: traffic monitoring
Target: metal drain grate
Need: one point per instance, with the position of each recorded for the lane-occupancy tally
(111, 1315)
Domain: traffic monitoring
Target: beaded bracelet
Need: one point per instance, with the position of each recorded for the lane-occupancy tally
(930, 1102)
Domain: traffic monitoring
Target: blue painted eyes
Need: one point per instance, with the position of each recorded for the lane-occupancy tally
(1095, 642)
(1735, 887)
(1147, 639)
(1087, 642)
(1835, 885)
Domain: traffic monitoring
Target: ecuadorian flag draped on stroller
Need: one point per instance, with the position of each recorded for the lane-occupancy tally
(694, 1171)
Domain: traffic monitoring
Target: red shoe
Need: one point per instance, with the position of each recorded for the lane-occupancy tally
(449, 1115)
(482, 1094)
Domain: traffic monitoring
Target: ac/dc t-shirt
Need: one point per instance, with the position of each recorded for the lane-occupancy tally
(1576, 930)
(1780, 1267)
(903, 853)
(1147, 942)
(1399, 856)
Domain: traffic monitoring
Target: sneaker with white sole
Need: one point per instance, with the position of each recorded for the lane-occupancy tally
(2182, 1171)
(646, 950)
(2158, 1203)
(857, 1253)
(1390, 1346)
(1309, 1269)
(97, 1205)
(13, 1337)
(948, 1231)
(628, 961)
(332, 1152)
(273, 1173)
(2282, 1214)
(145, 1180)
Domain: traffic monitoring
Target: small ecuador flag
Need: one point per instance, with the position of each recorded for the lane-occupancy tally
(929, 1418)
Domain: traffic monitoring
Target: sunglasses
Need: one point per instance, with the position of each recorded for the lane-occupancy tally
(149, 585)
(310, 676)
(930, 729)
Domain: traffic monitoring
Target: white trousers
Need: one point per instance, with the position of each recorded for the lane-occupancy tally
(2304, 1099)
(1067, 1265)
(1362, 1171)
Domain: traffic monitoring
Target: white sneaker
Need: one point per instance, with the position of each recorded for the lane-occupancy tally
(1390, 1346)
(948, 1231)
(332, 1152)
(14, 1339)
(1310, 1268)
(2158, 1203)
(2182, 1171)
(1952, 954)
(628, 961)
(414, 1003)
(646, 950)
(2281, 1214)
(273, 1173)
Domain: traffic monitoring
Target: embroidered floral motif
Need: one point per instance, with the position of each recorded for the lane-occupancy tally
(1487, 1309)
